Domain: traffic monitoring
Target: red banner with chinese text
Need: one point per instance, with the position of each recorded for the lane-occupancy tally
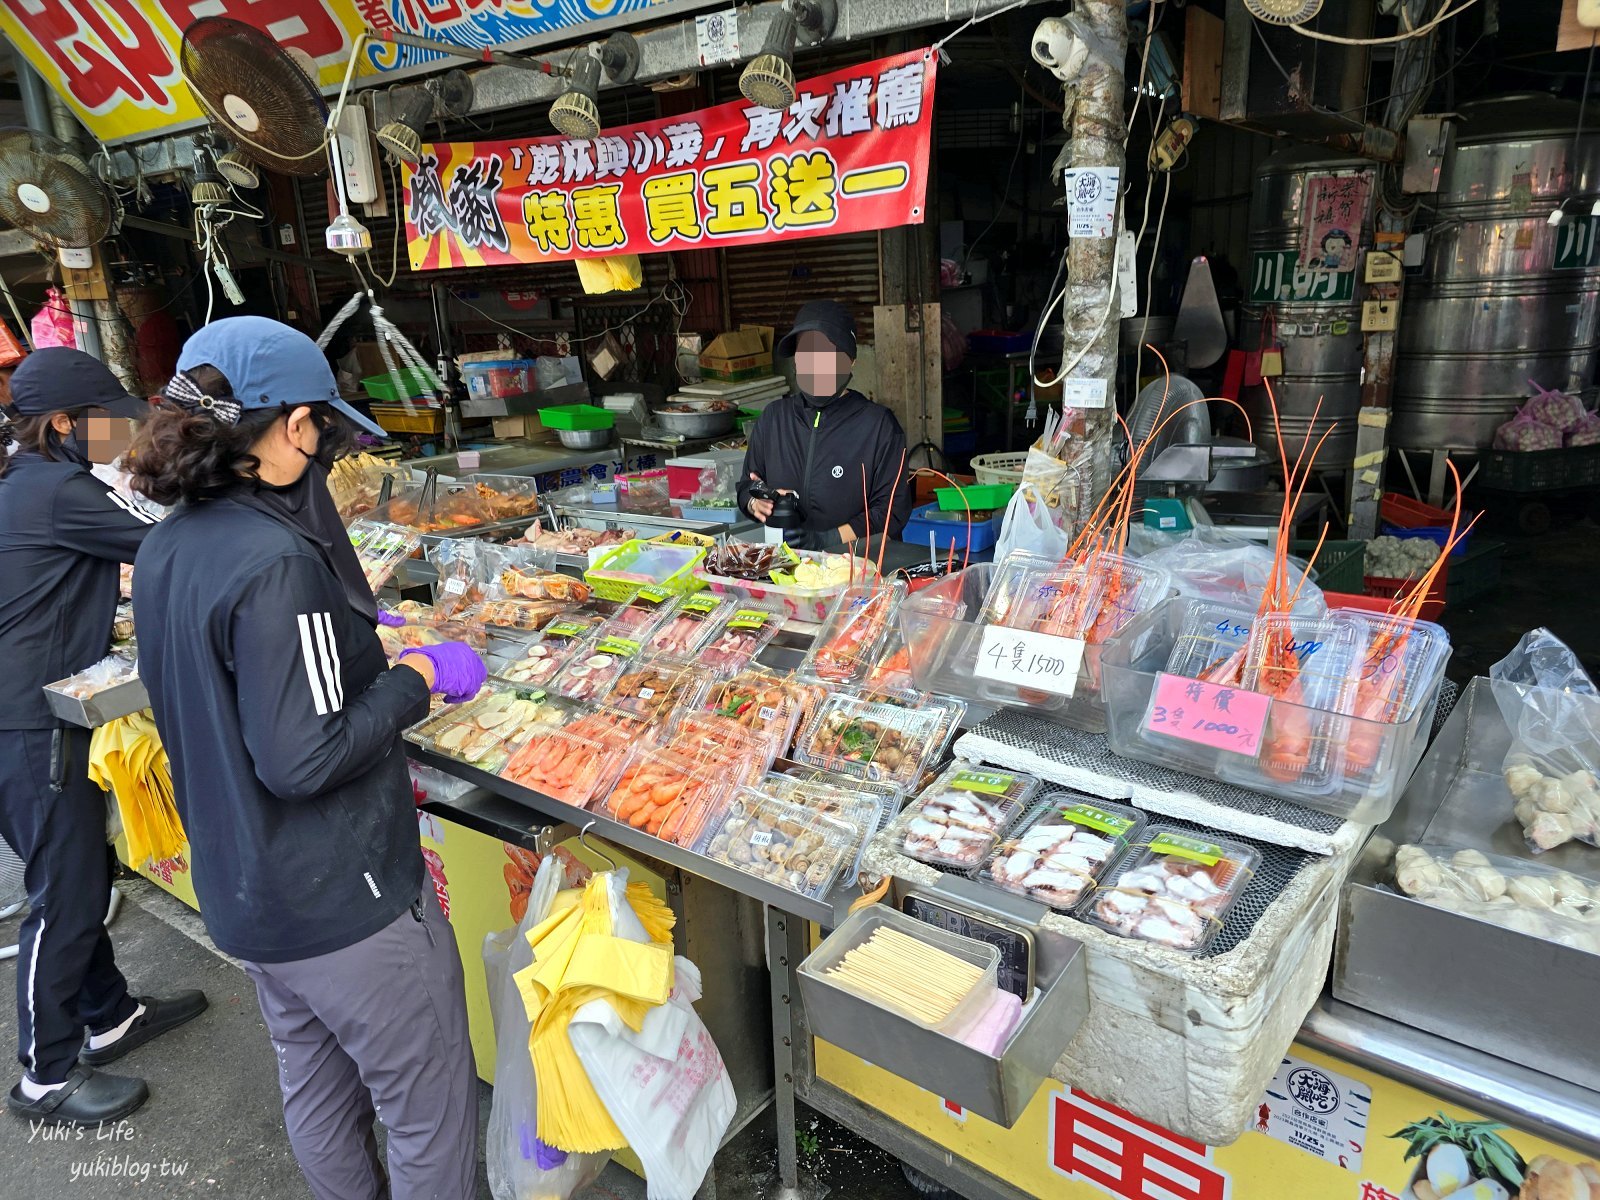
(850, 154)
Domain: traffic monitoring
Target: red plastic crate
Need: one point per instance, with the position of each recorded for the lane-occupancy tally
(1387, 589)
(1411, 514)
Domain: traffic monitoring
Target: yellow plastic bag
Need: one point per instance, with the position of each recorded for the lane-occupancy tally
(619, 273)
(127, 759)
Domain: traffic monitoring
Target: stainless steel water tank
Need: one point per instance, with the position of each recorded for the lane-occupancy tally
(1491, 310)
(1318, 314)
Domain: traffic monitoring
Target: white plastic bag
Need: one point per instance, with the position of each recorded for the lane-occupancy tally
(665, 1086)
(1211, 565)
(1043, 513)
(520, 1166)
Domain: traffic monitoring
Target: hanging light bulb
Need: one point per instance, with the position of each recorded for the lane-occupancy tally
(768, 78)
(576, 111)
(208, 190)
(403, 137)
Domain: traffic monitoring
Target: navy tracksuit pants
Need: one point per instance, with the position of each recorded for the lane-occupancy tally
(55, 819)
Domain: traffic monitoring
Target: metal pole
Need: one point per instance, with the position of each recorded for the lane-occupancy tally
(784, 947)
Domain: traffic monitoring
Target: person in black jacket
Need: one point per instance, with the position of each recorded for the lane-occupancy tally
(63, 536)
(283, 723)
(819, 442)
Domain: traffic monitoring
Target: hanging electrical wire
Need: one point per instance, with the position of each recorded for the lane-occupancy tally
(1446, 12)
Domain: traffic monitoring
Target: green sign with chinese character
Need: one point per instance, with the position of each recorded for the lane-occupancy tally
(1577, 244)
(1277, 276)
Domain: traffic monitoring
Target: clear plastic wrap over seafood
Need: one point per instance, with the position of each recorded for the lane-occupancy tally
(1062, 849)
(784, 843)
(590, 674)
(564, 766)
(1543, 902)
(638, 617)
(740, 634)
(856, 735)
(692, 620)
(535, 664)
(1175, 891)
(960, 817)
(847, 644)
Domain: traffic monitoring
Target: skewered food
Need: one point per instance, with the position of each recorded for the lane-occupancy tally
(1063, 851)
(563, 766)
(961, 815)
(691, 622)
(654, 689)
(1176, 892)
(783, 843)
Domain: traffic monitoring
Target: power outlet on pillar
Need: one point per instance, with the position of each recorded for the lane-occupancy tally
(1379, 316)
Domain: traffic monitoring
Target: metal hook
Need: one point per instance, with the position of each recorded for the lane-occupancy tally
(583, 840)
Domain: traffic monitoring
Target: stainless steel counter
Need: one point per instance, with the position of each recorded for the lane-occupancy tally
(1531, 1100)
(518, 460)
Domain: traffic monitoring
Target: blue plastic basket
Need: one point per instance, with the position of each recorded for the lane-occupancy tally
(981, 535)
(1437, 534)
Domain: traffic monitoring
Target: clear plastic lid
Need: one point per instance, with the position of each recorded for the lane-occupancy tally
(742, 632)
(515, 614)
(533, 664)
(638, 617)
(1062, 848)
(847, 643)
(484, 732)
(961, 816)
(1211, 643)
(610, 726)
(1307, 665)
(891, 673)
(850, 800)
(653, 688)
(692, 620)
(591, 671)
(696, 731)
(853, 735)
(950, 712)
(1130, 587)
(782, 842)
(672, 795)
(381, 548)
(1006, 586)
(565, 767)
(1060, 598)
(760, 699)
(1399, 662)
(1174, 890)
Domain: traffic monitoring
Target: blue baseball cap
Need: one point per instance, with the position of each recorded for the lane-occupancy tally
(269, 365)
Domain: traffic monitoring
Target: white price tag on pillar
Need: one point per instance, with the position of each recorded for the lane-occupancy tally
(1025, 658)
(1083, 393)
(717, 37)
(1092, 201)
(1128, 273)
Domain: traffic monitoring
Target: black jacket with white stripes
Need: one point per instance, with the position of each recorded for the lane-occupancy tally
(63, 534)
(282, 722)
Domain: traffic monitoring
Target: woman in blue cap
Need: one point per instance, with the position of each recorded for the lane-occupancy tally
(283, 721)
(63, 537)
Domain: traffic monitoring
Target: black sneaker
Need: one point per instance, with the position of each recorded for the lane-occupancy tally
(87, 1098)
(158, 1017)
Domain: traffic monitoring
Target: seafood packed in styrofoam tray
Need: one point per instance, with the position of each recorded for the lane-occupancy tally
(486, 731)
(1062, 849)
(1543, 902)
(653, 689)
(638, 617)
(961, 816)
(782, 842)
(690, 623)
(564, 766)
(847, 645)
(854, 735)
(590, 673)
(1175, 891)
(741, 634)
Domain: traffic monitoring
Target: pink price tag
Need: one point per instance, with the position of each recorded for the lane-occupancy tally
(1209, 714)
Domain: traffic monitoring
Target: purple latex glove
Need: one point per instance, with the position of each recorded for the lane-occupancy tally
(458, 672)
(392, 620)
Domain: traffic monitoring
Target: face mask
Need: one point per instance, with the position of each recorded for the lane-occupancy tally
(69, 447)
(327, 447)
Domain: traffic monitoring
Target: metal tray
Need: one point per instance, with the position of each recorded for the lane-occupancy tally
(101, 708)
(997, 1089)
(1446, 973)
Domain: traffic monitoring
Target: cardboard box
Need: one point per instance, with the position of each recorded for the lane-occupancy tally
(528, 428)
(742, 353)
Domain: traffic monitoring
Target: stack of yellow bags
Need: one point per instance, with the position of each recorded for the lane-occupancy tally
(126, 758)
(618, 273)
(578, 957)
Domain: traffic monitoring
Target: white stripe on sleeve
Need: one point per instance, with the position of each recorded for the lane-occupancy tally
(132, 509)
(332, 670)
(309, 655)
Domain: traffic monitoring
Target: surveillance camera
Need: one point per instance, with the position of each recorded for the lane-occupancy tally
(1058, 49)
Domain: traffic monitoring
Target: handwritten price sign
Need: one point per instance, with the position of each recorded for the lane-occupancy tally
(1027, 659)
(1208, 714)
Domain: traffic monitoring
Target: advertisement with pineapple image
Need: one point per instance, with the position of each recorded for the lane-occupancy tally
(1473, 1160)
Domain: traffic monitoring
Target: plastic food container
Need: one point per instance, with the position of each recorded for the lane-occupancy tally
(1174, 891)
(655, 688)
(534, 665)
(486, 731)
(636, 564)
(847, 799)
(962, 815)
(1400, 667)
(516, 614)
(611, 727)
(860, 927)
(760, 700)
(784, 843)
(381, 548)
(1062, 848)
(798, 602)
(847, 644)
(741, 633)
(1135, 667)
(871, 739)
(685, 629)
(639, 615)
(673, 795)
(564, 766)
(503, 377)
(591, 672)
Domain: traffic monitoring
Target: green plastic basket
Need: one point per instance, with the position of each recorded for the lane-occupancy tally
(1477, 572)
(975, 496)
(602, 577)
(576, 416)
(1340, 566)
(413, 383)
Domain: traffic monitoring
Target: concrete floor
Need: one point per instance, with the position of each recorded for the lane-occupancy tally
(214, 1125)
